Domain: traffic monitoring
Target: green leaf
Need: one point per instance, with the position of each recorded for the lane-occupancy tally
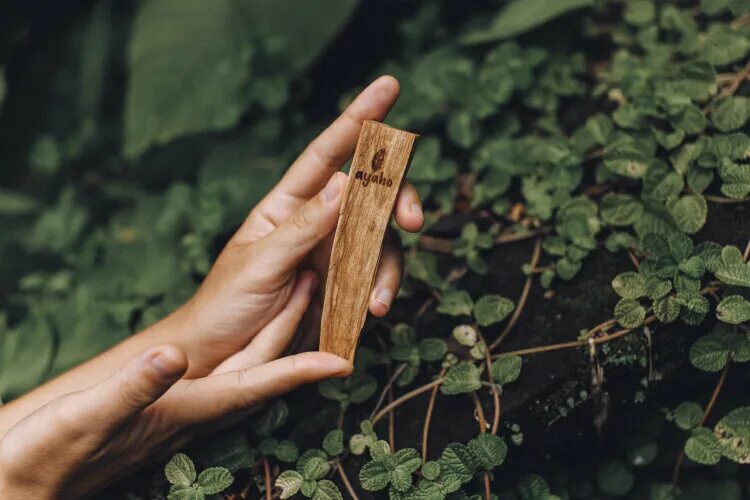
(688, 415)
(506, 369)
(286, 451)
(333, 442)
(520, 16)
(308, 487)
(629, 313)
(656, 288)
(731, 113)
(14, 204)
(316, 468)
(466, 335)
(689, 213)
(431, 470)
(710, 353)
(463, 129)
(703, 447)
(629, 285)
(533, 487)
(666, 309)
(723, 45)
(432, 349)
(215, 480)
(460, 379)
(457, 461)
(733, 309)
(212, 53)
(491, 309)
(488, 450)
(733, 435)
(374, 475)
(693, 267)
(615, 478)
(620, 209)
(639, 12)
(327, 490)
(180, 470)
(193, 492)
(731, 269)
(290, 482)
(567, 269)
(456, 303)
(274, 417)
(423, 267)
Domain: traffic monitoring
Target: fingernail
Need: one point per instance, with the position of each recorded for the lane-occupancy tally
(416, 209)
(168, 367)
(384, 296)
(331, 190)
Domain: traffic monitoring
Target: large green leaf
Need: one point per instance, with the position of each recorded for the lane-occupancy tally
(520, 16)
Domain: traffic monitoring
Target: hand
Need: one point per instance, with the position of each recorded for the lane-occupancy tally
(225, 341)
(82, 441)
(244, 302)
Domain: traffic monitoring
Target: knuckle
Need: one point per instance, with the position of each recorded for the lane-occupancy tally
(131, 393)
(301, 220)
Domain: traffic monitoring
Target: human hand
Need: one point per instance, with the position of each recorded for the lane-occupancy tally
(257, 288)
(80, 442)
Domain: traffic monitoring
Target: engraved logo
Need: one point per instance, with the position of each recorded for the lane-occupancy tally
(376, 164)
(377, 160)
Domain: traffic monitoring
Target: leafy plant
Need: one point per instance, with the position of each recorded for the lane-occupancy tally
(180, 472)
(583, 166)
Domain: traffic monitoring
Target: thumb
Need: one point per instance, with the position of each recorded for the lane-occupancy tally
(287, 245)
(139, 383)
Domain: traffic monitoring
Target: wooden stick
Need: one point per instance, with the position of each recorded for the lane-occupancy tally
(379, 165)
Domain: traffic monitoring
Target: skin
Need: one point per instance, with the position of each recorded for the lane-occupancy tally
(221, 354)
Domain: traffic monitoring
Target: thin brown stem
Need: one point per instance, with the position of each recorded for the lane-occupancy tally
(391, 379)
(704, 418)
(746, 253)
(267, 478)
(495, 392)
(514, 237)
(741, 21)
(603, 326)
(480, 412)
(406, 397)
(345, 480)
(723, 200)
(715, 394)
(482, 429)
(428, 417)
(522, 299)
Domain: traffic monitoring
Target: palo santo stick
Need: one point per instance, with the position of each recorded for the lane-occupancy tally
(378, 167)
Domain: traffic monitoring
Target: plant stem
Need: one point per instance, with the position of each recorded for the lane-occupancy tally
(495, 393)
(724, 200)
(482, 430)
(704, 418)
(445, 245)
(428, 417)
(603, 326)
(345, 480)
(522, 299)
(406, 397)
(267, 478)
(480, 412)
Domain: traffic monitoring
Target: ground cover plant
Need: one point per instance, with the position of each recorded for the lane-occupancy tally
(574, 321)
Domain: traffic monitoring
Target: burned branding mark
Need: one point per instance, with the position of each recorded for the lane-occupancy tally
(377, 163)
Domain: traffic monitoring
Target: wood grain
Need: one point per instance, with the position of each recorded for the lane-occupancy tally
(378, 168)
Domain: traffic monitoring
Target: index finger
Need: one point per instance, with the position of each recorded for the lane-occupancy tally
(335, 145)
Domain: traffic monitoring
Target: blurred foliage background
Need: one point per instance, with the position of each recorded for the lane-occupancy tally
(582, 162)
